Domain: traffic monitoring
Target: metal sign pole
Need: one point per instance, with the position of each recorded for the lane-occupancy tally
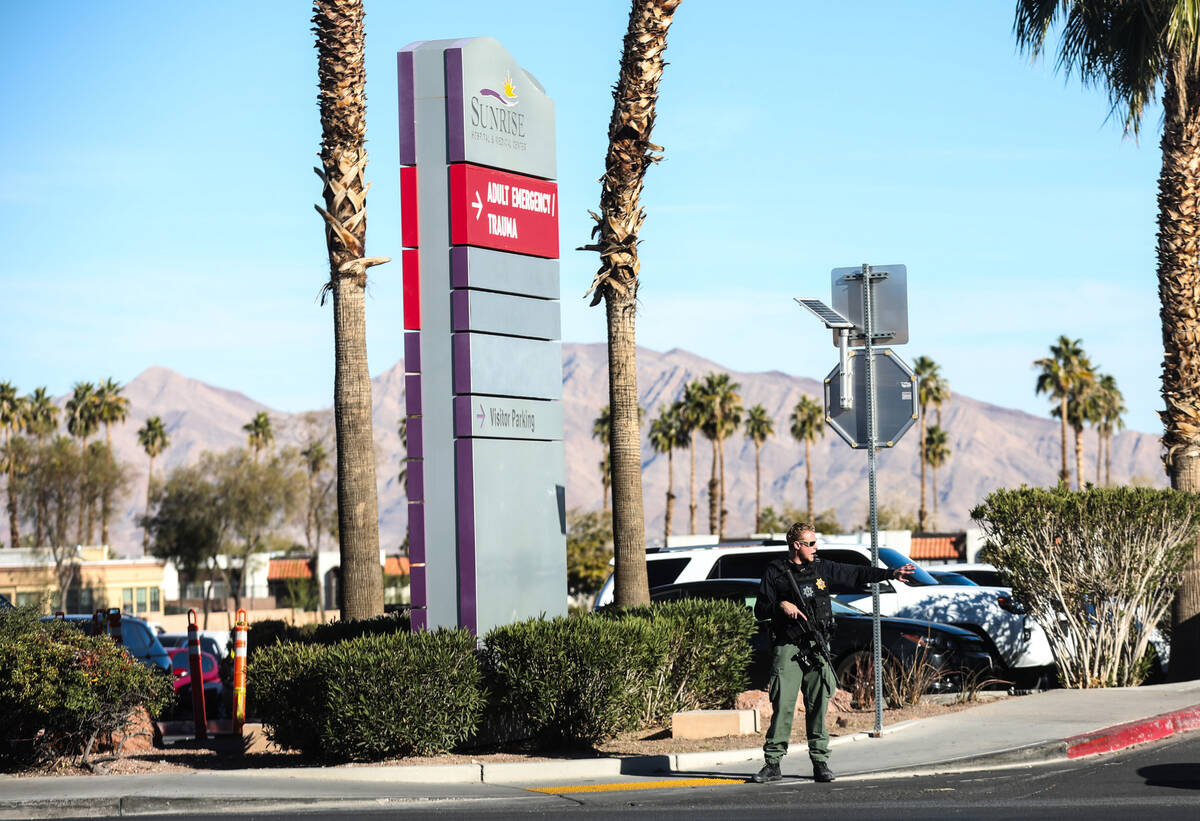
(868, 286)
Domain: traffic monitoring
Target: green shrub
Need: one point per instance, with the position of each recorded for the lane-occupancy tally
(60, 690)
(276, 631)
(571, 681)
(372, 697)
(707, 655)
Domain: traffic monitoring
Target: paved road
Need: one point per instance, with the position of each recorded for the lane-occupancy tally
(1159, 781)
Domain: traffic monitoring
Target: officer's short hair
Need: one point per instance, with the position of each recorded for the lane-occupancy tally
(793, 534)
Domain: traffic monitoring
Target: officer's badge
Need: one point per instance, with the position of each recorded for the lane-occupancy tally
(820, 584)
(807, 591)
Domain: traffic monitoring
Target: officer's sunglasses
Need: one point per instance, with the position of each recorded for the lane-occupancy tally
(807, 544)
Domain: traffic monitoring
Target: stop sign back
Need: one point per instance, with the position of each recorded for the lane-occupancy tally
(895, 400)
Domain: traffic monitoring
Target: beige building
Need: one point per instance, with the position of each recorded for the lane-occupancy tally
(135, 585)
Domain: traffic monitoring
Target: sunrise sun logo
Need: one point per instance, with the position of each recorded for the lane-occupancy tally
(507, 94)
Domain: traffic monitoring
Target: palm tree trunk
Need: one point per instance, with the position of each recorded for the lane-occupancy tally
(692, 482)
(149, 484)
(757, 490)
(933, 495)
(358, 516)
(721, 505)
(1065, 474)
(921, 458)
(670, 498)
(1178, 282)
(713, 492)
(1108, 460)
(1078, 459)
(625, 455)
(808, 487)
(1099, 455)
(341, 70)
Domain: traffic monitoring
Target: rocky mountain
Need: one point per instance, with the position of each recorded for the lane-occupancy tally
(990, 446)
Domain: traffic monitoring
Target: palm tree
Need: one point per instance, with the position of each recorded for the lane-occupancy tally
(1136, 51)
(1112, 408)
(666, 434)
(258, 433)
(808, 422)
(691, 415)
(42, 420)
(759, 425)
(602, 430)
(152, 436)
(43, 414)
(342, 77)
(14, 415)
(934, 452)
(315, 460)
(615, 236)
(932, 391)
(112, 407)
(1080, 408)
(723, 414)
(83, 419)
(1059, 372)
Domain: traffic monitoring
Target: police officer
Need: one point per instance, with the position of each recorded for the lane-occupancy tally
(794, 595)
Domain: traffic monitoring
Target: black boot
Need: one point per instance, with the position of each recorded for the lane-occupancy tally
(821, 772)
(769, 772)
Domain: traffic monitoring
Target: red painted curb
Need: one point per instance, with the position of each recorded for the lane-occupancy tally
(1125, 735)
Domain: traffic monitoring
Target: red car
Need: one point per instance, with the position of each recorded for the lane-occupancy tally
(210, 674)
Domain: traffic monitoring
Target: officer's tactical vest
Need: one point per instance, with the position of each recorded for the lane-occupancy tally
(814, 591)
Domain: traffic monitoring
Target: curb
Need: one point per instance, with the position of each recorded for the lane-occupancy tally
(1107, 740)
(1120, 736)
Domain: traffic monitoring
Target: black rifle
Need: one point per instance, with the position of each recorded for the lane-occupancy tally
(806, 624)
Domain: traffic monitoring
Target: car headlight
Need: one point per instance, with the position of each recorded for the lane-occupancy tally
(930, 641)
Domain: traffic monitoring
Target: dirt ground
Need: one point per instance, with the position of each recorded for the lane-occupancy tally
(141, 756)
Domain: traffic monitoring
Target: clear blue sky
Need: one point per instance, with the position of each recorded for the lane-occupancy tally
(157, 190)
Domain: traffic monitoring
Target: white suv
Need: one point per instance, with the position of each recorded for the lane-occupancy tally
(1018, 640)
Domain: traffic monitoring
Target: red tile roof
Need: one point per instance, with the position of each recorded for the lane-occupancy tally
(938, 546)
(280, 569)
(289, 569)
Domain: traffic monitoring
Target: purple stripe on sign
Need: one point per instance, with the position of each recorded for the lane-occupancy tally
(412, 394)
(465, 484)
(416, 446)
(460, 310)
(407, 108)
(462, 362)
(462, 416)
(416, 481)
(419, 619)
(459, 264)
(416, 532)
(416, 580)
(412, 351)
(455, 148)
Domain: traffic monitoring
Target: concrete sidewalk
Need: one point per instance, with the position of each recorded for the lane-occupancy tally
(1016, 731)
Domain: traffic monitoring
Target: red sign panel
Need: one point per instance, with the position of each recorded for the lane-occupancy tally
(508, 212)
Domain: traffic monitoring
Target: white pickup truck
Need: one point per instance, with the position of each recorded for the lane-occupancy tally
(1017, 639)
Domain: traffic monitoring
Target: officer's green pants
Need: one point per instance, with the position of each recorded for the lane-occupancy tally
(817, 683)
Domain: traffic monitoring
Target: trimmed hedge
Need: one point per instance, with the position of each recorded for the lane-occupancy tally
(372, 697)
(578, 681)
(707, 655)
(570, 682)
(60, 689)
(276, 631)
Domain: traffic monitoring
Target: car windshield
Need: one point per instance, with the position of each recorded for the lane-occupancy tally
(840, 608)
(954, 578)
(894, 558)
